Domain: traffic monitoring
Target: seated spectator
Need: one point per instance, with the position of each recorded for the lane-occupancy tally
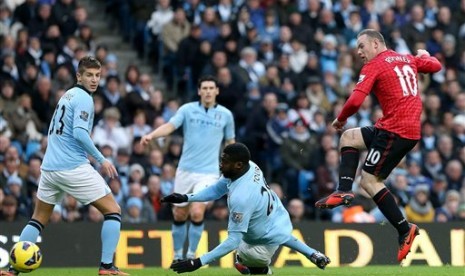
(448, 211)
(110, 129)
(296, 209)
(136, 173)
(136, 190)
(219, 210)
(93, 215)
(71, 209)
(133, 211)
(9, 211)
(15, 188)
(419, 208)
(56, 216)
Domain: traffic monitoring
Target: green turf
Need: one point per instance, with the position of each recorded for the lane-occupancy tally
(362, 271)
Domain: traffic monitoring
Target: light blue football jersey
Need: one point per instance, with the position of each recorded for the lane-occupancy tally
(204, 133)
(256, 211)
(75, 109)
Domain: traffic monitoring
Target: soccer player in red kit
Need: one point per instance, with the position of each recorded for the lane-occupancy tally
(392, 77)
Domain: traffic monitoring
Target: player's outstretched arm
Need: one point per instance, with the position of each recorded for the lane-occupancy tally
(162, 131)
(210, 193)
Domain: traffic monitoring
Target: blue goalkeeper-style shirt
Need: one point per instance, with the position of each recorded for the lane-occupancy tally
(204, 131)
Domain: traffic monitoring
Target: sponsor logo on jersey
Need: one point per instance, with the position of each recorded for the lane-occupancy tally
(237, 217)
(84, 115)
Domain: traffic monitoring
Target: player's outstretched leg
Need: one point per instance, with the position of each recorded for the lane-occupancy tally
(316, 257)
(406, 241)
(335, 199)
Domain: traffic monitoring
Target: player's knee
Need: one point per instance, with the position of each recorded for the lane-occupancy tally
(197, 216)
(350, 138)
(180, 215)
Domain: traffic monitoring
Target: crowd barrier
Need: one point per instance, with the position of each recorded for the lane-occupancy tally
(142, 245)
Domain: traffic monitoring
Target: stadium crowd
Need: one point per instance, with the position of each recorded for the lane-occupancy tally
(284, 69)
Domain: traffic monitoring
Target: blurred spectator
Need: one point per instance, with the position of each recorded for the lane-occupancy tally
(140, 96)
(9, 211)
(110, 129)
(167, 179)
(26, 11)
(432, 165)
(160, 16)
(419, 208)
(250, 69)
(147, 213)
(448, 211)
(133, 211)
(93, 215)
(454, 174)
(400, 189)
(56, 216)
(296, 209)
(138, 154)
(172, 34)
(156, 160)
(15, 188)
(219, 210)
(33, 175)
(277, 129)
(255, 136)
(327, 174)
(139, 126)
(117, 190)
(71, 209)
(136, 174)
(297, 151)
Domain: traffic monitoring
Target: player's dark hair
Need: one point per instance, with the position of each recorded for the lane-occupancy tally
(237, 152)
(207, 78)
(374, 34)
(88, 62)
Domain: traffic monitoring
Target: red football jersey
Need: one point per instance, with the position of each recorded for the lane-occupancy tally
(392, 77)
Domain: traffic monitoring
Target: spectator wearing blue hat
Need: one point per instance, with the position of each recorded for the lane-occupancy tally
(15, 188)
(133, 211)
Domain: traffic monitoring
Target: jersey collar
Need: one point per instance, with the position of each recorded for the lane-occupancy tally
(206, 109)
(83, 88)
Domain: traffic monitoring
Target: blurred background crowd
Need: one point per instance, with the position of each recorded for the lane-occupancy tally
(285, 68)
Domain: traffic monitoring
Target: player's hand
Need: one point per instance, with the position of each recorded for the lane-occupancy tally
(186, 266)
(422, 52)
(174, 198)
(108, 169)
(145, 140)
(338, 125)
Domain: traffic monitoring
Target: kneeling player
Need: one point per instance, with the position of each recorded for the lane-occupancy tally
(258, 222)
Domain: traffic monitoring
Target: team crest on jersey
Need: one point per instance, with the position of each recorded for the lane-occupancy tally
(84, 115)
(218, 116)
(237, 217)
(360, 78)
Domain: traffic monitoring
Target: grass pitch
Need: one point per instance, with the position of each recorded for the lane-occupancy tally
(291, 271)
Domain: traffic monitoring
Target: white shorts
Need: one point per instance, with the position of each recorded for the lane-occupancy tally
(84, 183)
(189, 182)
(256, 255)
